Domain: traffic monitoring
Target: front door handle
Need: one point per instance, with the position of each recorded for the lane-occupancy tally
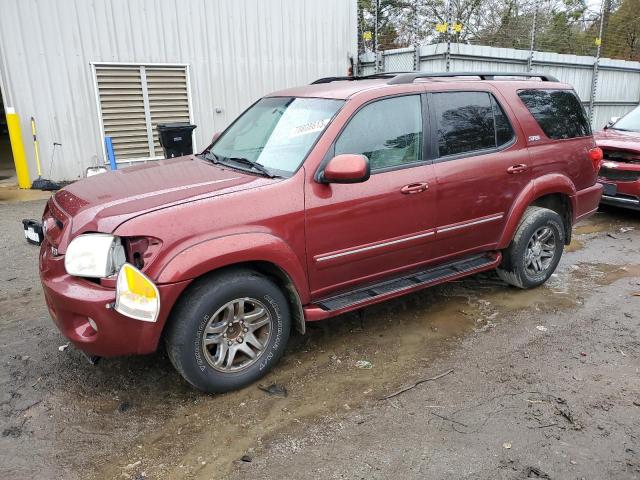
(414, 188)
(520, 168)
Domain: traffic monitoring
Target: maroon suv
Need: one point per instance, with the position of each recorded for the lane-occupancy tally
(318, 200)
(620, 172)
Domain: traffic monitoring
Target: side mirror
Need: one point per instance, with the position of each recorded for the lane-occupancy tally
(346, 168)
(215, 136)
(611, 121)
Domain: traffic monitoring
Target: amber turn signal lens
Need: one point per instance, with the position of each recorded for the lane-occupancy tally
(136, 296)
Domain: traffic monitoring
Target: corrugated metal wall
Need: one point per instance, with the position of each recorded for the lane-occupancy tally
(618, 81)
(236, 50)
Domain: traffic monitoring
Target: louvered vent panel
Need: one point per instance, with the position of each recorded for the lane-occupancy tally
(168, 98)
(122, 107)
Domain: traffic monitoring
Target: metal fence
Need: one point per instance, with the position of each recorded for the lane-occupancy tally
(593, 45)
(617, 82)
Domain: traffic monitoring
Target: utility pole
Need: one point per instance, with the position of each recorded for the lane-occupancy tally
(375, 28)
(596, 64)
(416, 41)
(448, 54)
(375, 36)
(534, 28)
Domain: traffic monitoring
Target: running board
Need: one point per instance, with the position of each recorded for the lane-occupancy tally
(414, 281)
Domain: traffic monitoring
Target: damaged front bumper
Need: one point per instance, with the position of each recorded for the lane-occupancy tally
(621, 182)
(82, 309)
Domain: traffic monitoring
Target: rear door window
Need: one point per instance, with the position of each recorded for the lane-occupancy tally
(558, 112)
(388, 132)
(469, 122)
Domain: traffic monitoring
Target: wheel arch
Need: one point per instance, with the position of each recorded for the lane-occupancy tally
(262, 253)
(555, 192)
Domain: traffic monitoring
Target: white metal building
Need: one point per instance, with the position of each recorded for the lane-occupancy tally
(85, 69)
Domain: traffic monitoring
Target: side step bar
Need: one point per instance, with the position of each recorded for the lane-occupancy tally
(413, 281)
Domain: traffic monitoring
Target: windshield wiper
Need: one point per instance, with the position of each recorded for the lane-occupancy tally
(213, 158)
(245, 161)
(623, 129)
(210, 156)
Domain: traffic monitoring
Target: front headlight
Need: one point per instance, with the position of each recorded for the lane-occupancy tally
(94, 255)
(136, 296)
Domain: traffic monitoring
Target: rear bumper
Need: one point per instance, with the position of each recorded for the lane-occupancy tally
(587, 201)
(73, 301)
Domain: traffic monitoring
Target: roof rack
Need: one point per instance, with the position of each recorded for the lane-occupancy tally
(363, 77)
(398, 78)
(410, 77)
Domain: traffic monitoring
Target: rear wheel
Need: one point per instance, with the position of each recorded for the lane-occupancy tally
(228, 330)
(536, 248)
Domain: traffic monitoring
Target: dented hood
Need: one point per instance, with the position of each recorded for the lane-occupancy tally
(102, 202)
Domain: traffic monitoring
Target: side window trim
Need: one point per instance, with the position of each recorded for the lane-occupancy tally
(433, 121)
(495, 104)
(427, 150)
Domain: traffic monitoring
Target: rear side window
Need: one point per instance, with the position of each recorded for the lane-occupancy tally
(558, 112)
(388, 132)
(468, 122)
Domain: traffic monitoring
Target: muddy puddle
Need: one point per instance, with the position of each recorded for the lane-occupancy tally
(204, 436)
(320, 371)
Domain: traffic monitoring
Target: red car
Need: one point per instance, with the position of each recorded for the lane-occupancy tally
(620, 170)
(318, 200)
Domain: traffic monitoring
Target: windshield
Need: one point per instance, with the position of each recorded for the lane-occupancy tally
(277, 132)
(630, 122)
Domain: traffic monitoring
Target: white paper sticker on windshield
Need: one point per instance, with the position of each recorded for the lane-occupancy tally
(311, 127)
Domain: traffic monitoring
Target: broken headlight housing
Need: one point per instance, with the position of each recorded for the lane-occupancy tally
(94, 255)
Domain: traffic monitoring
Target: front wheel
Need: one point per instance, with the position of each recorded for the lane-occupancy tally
(228, 330)
(536, 248)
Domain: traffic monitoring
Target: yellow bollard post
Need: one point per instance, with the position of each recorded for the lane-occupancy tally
(19, 157)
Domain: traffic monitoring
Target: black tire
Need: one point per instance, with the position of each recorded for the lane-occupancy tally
(516, 267)
(194, 312)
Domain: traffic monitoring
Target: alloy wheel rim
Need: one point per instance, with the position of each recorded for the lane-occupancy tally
(540, 251)
(236, 335)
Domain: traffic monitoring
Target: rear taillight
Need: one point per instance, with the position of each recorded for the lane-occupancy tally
(596, 156)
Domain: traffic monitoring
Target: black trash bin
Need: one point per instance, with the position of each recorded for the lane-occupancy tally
(176, 138)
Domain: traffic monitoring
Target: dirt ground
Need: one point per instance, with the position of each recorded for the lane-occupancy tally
(531, 384)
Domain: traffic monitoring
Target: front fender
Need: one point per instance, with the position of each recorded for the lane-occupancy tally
(545, 185)
(219, 252)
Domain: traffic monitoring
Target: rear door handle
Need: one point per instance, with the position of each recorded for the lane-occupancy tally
(414, 188)
(521, 167)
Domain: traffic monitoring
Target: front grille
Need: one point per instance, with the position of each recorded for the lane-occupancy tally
(621, 156)
(619, 175)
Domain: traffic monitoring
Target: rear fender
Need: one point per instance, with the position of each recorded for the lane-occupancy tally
(545, 185)
(220, 252)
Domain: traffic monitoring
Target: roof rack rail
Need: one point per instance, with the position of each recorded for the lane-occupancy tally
(409, 77)
(364, 77)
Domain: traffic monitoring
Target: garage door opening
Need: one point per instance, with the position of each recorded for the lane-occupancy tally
(7, 167)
